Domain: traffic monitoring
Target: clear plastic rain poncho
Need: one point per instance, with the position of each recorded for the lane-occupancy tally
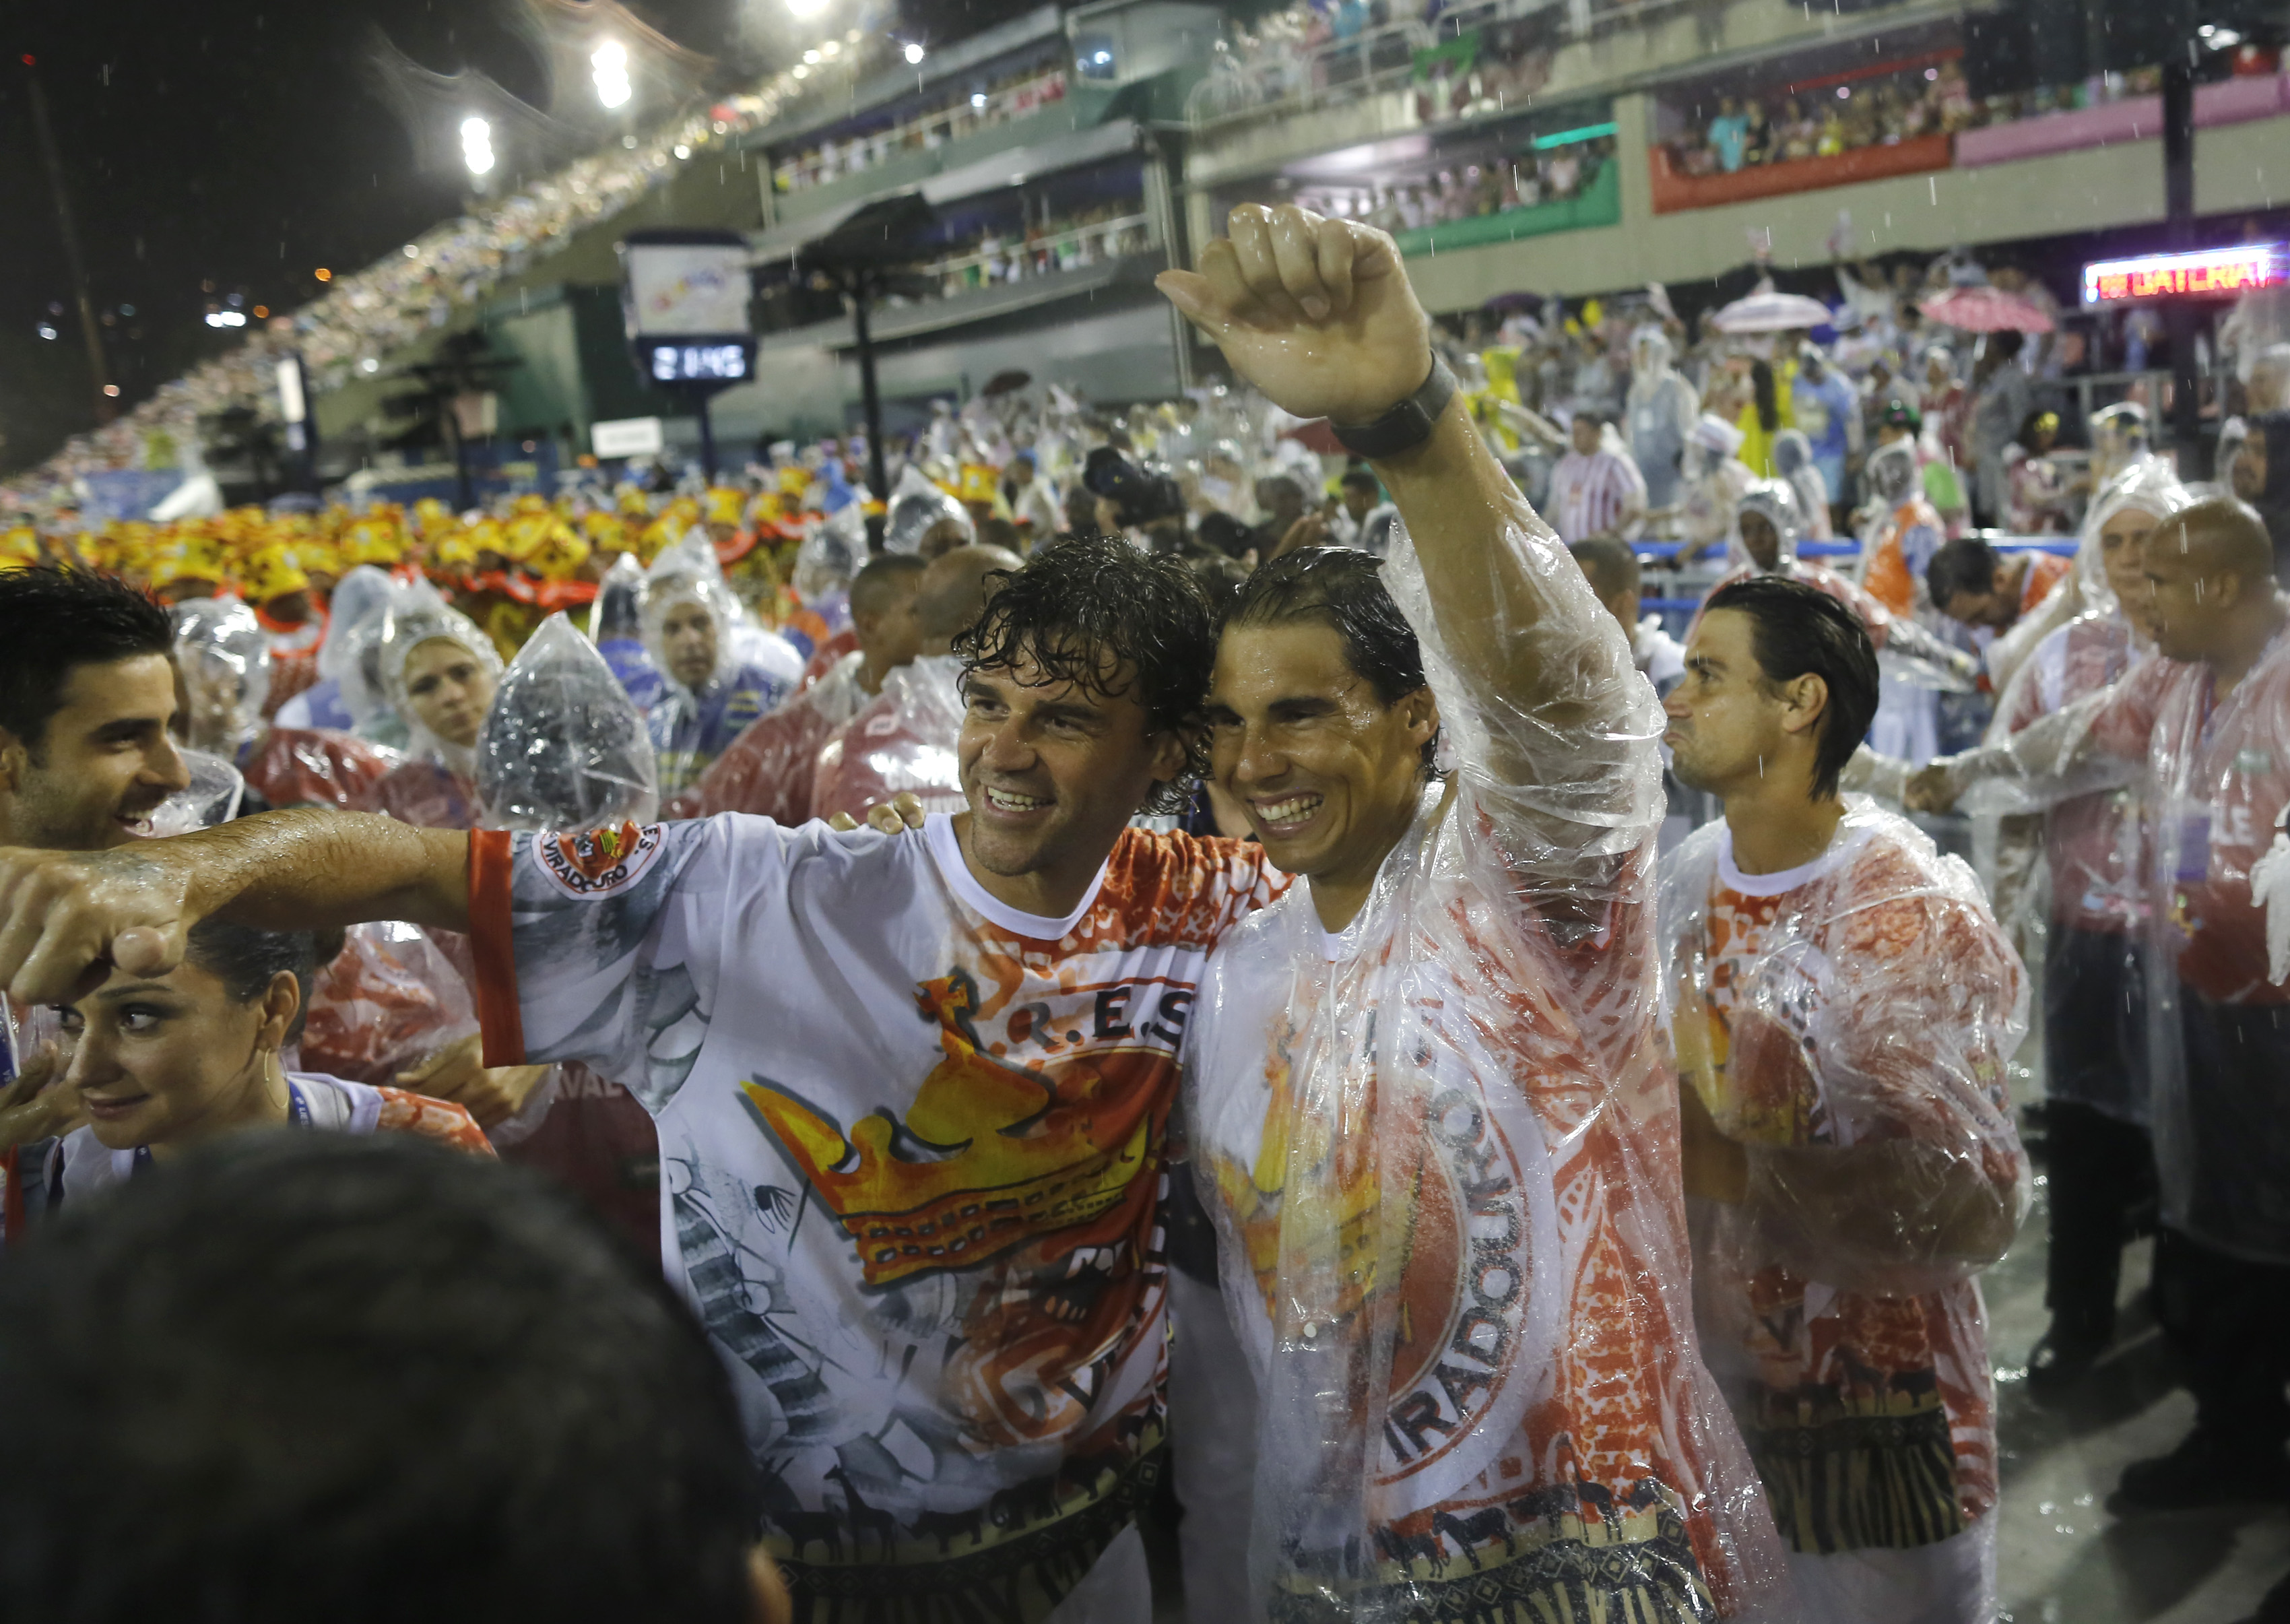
(904, 742)
(616, 626)
(388, 1002)
(2089, 879)
(2151, 484)
(917, 507)
(562, 746)
(829, 558)
(436, 787)
(1794, 466)
(224, 656)
(1904, 649)
(1713, 480)
(1846, 1026)
(212, 797)
(345, 698)
(1659, 413)
(1441, 1154)
(2216, 784)
(754, 670)
(222, 653)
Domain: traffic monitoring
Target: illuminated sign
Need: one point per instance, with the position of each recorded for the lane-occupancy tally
(2209, 273)
(725, 361)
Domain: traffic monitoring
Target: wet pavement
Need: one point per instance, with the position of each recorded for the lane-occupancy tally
(2063, 1559)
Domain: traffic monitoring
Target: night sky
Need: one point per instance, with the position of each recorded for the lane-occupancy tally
(243, 145)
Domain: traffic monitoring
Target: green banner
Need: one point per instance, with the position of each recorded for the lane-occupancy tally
(1598, 203)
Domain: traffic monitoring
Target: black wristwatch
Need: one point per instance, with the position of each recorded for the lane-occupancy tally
(1406, 424)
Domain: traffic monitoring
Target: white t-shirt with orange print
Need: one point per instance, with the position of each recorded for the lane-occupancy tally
(911, 1146)
(1864, 997)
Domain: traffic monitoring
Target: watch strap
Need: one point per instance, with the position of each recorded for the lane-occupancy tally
(1406, 424)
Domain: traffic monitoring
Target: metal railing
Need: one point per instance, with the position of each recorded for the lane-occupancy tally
(958, 118)
(1025, 253)
(1287, 79)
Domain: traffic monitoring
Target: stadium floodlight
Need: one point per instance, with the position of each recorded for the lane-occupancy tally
(914, 53)
(804, 11)
(477, 145)
(610, 63)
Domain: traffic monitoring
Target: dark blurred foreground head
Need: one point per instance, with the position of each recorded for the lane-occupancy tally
(308, 1376)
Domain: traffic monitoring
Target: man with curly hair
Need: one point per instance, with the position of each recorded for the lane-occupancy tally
(912, 1092)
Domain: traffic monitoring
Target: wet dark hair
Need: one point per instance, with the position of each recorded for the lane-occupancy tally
(244, 959)
(1966, 565)
(1093, 611)
(363, 1379)
(1761, 385)
(52, 621)
(1797, 630)
(1342, 589)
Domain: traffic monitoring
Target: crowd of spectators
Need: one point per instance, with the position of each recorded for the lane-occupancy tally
(1789, 122)
(1066, 242)
(948, 115)
(1522, 180)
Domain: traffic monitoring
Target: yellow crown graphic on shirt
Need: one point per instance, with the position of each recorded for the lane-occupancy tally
(989, 1156)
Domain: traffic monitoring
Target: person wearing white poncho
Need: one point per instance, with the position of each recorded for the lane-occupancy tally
(1426, 1093)
(1842, 1005)
(721, 673)
(438, 673)
(2204, 722)
(2101, 1165)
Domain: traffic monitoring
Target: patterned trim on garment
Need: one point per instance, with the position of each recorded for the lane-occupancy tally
(1840, 1480)
(1567, 1553)
(1010, 1578)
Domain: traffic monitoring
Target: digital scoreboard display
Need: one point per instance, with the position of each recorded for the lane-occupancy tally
(2208, 273)
(720, 361)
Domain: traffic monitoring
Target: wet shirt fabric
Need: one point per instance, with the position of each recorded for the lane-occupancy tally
(911, 1146)
(1441, 1154)
(1866, 998)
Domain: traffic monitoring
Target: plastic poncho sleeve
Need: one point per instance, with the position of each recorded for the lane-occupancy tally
(2098, 742)
(1851, 1035)
(1554, 729)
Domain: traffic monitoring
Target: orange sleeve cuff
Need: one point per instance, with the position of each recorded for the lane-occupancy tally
(499, 1017)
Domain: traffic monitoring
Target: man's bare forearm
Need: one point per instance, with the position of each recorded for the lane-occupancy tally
(315, 869)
